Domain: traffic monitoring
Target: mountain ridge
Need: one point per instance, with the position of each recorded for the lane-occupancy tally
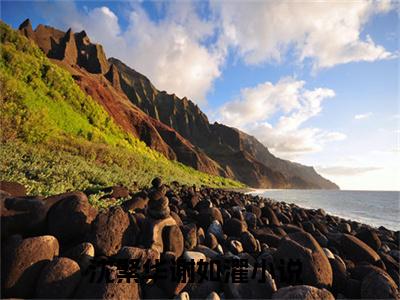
(171, 125)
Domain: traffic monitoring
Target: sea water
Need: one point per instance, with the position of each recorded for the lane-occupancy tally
(375, 208)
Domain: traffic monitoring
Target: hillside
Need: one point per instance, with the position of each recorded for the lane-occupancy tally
(57, 138)
(170, 125)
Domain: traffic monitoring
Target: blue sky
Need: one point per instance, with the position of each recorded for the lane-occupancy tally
(317, 83)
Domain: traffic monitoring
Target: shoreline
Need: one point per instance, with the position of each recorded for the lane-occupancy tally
(336, 257)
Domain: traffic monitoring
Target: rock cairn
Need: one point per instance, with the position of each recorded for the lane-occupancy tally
(58, 247)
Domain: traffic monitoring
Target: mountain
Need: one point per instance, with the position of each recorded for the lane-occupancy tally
(55, 138)
(174, 126)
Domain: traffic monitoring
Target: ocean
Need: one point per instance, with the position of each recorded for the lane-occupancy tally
(374, 208)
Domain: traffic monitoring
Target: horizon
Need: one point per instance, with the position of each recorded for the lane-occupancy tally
(336, 110)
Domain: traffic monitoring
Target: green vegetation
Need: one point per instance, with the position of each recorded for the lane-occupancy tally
(55, 138)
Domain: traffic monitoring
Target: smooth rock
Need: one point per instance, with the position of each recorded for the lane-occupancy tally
(58, 279)
(25, 264)
(305, 292)
(356, 250)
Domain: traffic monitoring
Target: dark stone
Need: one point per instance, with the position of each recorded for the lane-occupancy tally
(305, 292)
(356, 250)
(249, 242)
(158, 208)
(70, 217)
(116, 192)
(25, 264)
(370, 237)
(138, 201)
(82, 253)
(173, 240)
(268, 213)
(110, 231)
(190, 236)
(234, 227)
(377, 284)
(15, 189)
(58, 279)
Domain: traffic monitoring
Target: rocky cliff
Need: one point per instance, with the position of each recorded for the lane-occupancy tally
(171, 125)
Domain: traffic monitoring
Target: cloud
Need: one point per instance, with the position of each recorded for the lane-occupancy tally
(328, 33)
(184, 51)
(255, 106)
(170, 51)
(345, 170)
(363, 116)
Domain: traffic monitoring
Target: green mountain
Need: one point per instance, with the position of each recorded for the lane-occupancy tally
(55, 137)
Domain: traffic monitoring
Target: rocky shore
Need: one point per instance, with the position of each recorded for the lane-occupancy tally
(188, 243)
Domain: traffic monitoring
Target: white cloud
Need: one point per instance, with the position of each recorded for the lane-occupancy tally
(363, 116)
(296, 105)
(345, 170)
(170, 51)
(329, 33)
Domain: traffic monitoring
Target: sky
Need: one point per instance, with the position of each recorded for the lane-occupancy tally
(316, 82)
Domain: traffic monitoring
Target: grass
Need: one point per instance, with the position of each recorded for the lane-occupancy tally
(55, 138)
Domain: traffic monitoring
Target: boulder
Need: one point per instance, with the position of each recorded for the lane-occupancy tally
(370, 237)
(249, 242)
(152, 233)
(173, 240)
(15, 189)
(305, 292)
(70, 217)
(208, 215)
(215, 228)
(116, 192)
(58, 279)
(268, 213)
(23, 215)
(158, 207)
(82, 253)
(211, 241)
(253, 289)
(110, 231)
(234, 227)
(138, 201)
(190, 236)
(96, 287)
(26, 263)
(356, 250)
(308, 265)
(377, 284)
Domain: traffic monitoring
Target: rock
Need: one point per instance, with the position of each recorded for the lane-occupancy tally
(190, 236)
(353, 289)
(116, 192)
(70, 217)
(156, 182)
(345, 228)
(152, 233)
(58, 279)
(339, 275)
(158, 207)
(271, 239)
(129, 252)
(213, 296)
(82, 253)
(268, 213)
(235, 247)
(177, 219)
(328, 253)
(356, 250)
(370, 237)
(25, 264)
(305, 292)
(183, 296)
(195, 255)
(234, 227)
(251, 289)
(138, 201)
(211, 241)
(254, 209)
(15, 189)
(377, 284)
(310, 264)
(110, 231)
(173, 240)
(249, 242)
(24, 215)
(207, 216)
(215, 228)
(211, 254)
(98, 288)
